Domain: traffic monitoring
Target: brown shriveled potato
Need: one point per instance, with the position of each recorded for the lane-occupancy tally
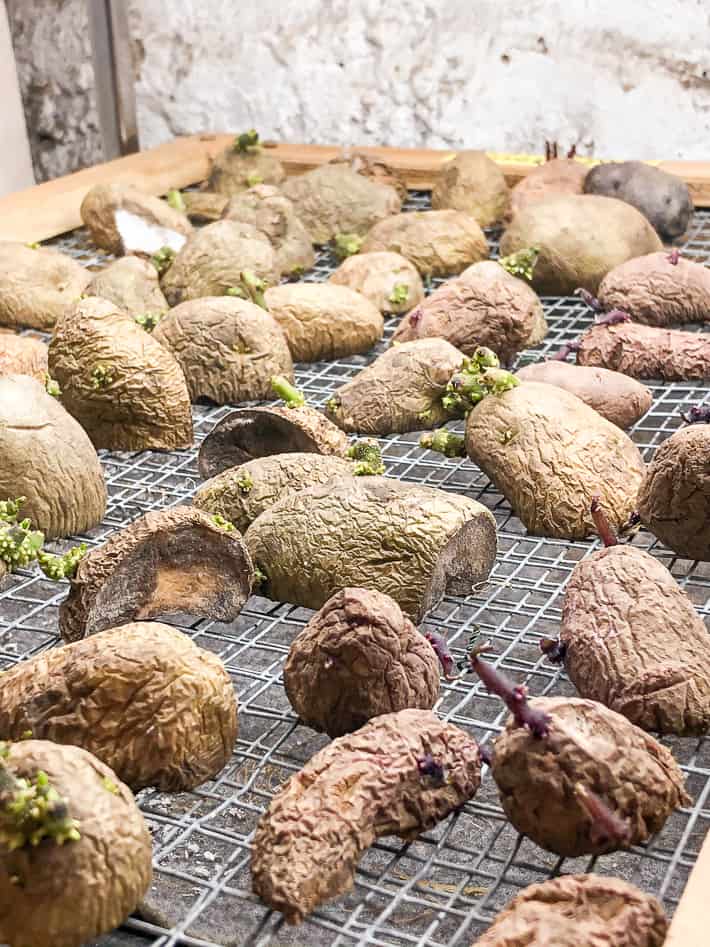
(400, 391)
(242, 493)
(544, 782)
(65, 895)
(579, 911)
(204, 207)
(412, 543)
(437, 242)
(659, 289)
(322, 322)
(273, 215)
(375, 169)
(334, 199)
(165, 563)
(214, 260)
(37, 284)
(473, 183)
(119, 218)
(674, 499)
(618, 398)
(357, 658)
(228, 348)
(48, 459)
(244, 164)
(388, 280)
(130, 283)
(400, 774)
(580, 238)
(142, 698)
(125, 389)
(23, 355)
(549, 454)
(647, 351)
(555, 178)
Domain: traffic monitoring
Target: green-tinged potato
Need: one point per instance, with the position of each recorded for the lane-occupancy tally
(37, 284)
(23, 355)
(130, 283)
(388, 280)
(122, 219)
(244, 164)
(553, 179)
(473, 183)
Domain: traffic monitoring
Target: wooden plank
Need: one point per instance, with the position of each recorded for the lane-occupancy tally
(689, 925)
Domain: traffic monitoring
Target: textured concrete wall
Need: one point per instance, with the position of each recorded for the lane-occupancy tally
(622, 79)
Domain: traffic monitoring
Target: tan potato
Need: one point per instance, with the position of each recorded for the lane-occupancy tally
(437, 242)
(646, 351)
(119, 218)
(130, 283)
(23, 355)
(471, 182)
(323, 322)
(555, 178)
(37, 284)
(244, 164)
(204, 207)
(580, 238)
(228, 348)
(388, 280)
(375, 170)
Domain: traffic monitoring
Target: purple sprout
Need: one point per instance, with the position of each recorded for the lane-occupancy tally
(673, 256)
(698, 414)
(588, 299)
(415, 316)
(514, 696)
(601, 523)
(607, 826)
(613, 318)
(554, 650)
(441, 648)
(565, 352)
(431, 767)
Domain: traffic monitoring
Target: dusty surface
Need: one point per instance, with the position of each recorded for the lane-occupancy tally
(37, 285)
(647, 351)
(23, 355)
(388, 280)
(132, 284)
(471, 182)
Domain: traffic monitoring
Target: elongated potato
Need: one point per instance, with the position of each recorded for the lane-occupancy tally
(37, 284)
(647, 351)
(412, 543)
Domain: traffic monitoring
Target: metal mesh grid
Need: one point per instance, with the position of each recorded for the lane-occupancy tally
(444, 888)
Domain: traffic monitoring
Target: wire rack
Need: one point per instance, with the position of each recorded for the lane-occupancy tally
(444, 888)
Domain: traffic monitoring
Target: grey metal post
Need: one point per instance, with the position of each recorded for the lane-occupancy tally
(113, 70)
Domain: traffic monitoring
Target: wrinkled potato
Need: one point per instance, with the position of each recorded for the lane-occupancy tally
(125, 389)
(647, 351)
(204, 207)
(542, 782)
(119, 217)
(130, 283)
(142, 698)
(173, 561)
(243, 165)
(48, 459)
(549, 454)
(400, 774)
(242, 493)
(674, 499)
(334, 199)
(618, 398)
(214, 259)
(323, 322)
(412, 543)
(662, 198)
(580, 238)
(659, 289)
(560, 176)
(437, 242)
(357, 658)
(375, 169)
(273, 215)
(23, 355)
(37, 284)
(64, 895)
(388, 280)
(579, 911)
(228, 348)
(400, 391)
(473, 183)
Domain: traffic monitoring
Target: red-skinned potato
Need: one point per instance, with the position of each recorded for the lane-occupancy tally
(554, 178)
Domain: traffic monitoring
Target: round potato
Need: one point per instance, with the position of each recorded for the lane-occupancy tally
(132, 284)
(204, 207)
(471, 182)
(37, 284)
(375, 169)
(555, 178)
(23, 355)
(120, 218)
(388, 280)
(244, 164)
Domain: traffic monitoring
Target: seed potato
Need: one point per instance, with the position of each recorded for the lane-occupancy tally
(116, 215)
(37, 285)
(242, 165)
(374, 170)
(204, 207)
(647, 351)
(555, 178)
(388, 280)
(23, 355)
(130, 283)
(473, 183)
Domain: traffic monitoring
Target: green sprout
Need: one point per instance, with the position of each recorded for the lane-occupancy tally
(19, 543)
(347, 244)
(101, 377)
(522, 263)
(287, 392)
(10, 509)
(33, 246)
(444, 442)
(51, 386)
(61, 567)
(368, 456)
(260, 578)
(176, 201)
(425, 416)
(332, 404)
(148, 320)
(109, 785)
(479, 376)
(250, 287)
(223, 523)
(507, 436)
(254, 178)
(399, 294)
(162, 259)
(295, 273)
(245, 483)
(26, 735)
(247, 142)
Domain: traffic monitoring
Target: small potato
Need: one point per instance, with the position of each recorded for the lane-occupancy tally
(322, 322)
(244, 164)
(228, 348)
(37, 285)
(204, 207)
(555, 178)
(388, 280)
(23, 355)
(120, 218)
(580, 238)
(375, 170)
(662, 198)
(471, 182)
(647, 351)
(437, 242)
(618, 398)
(132, 284)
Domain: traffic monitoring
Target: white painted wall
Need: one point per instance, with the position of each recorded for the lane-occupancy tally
(15, 159)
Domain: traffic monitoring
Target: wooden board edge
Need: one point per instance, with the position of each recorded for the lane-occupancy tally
(689, 925)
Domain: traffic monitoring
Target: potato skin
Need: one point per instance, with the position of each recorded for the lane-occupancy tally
(674, 499)
(579, 911)
(618, 398)
(242, 493)
(204, 207)
(473, 183)
(581, 238)
(323, 322)
(375, 275)
(232, 169)
(656, 292)
(647, 351)
(357, 658)
(36, 286)
(561, 453)
(69, 894)
(412, 543)
(141, 697)
(130, 283)
(437, 242)
(99, 206)
(635, 776)
(552, 179)
(374, 169)
(228, 348)
(145, 405)
(213, 259)
(23, 355)
(48, 459)
(400, 391)
(309, 841)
